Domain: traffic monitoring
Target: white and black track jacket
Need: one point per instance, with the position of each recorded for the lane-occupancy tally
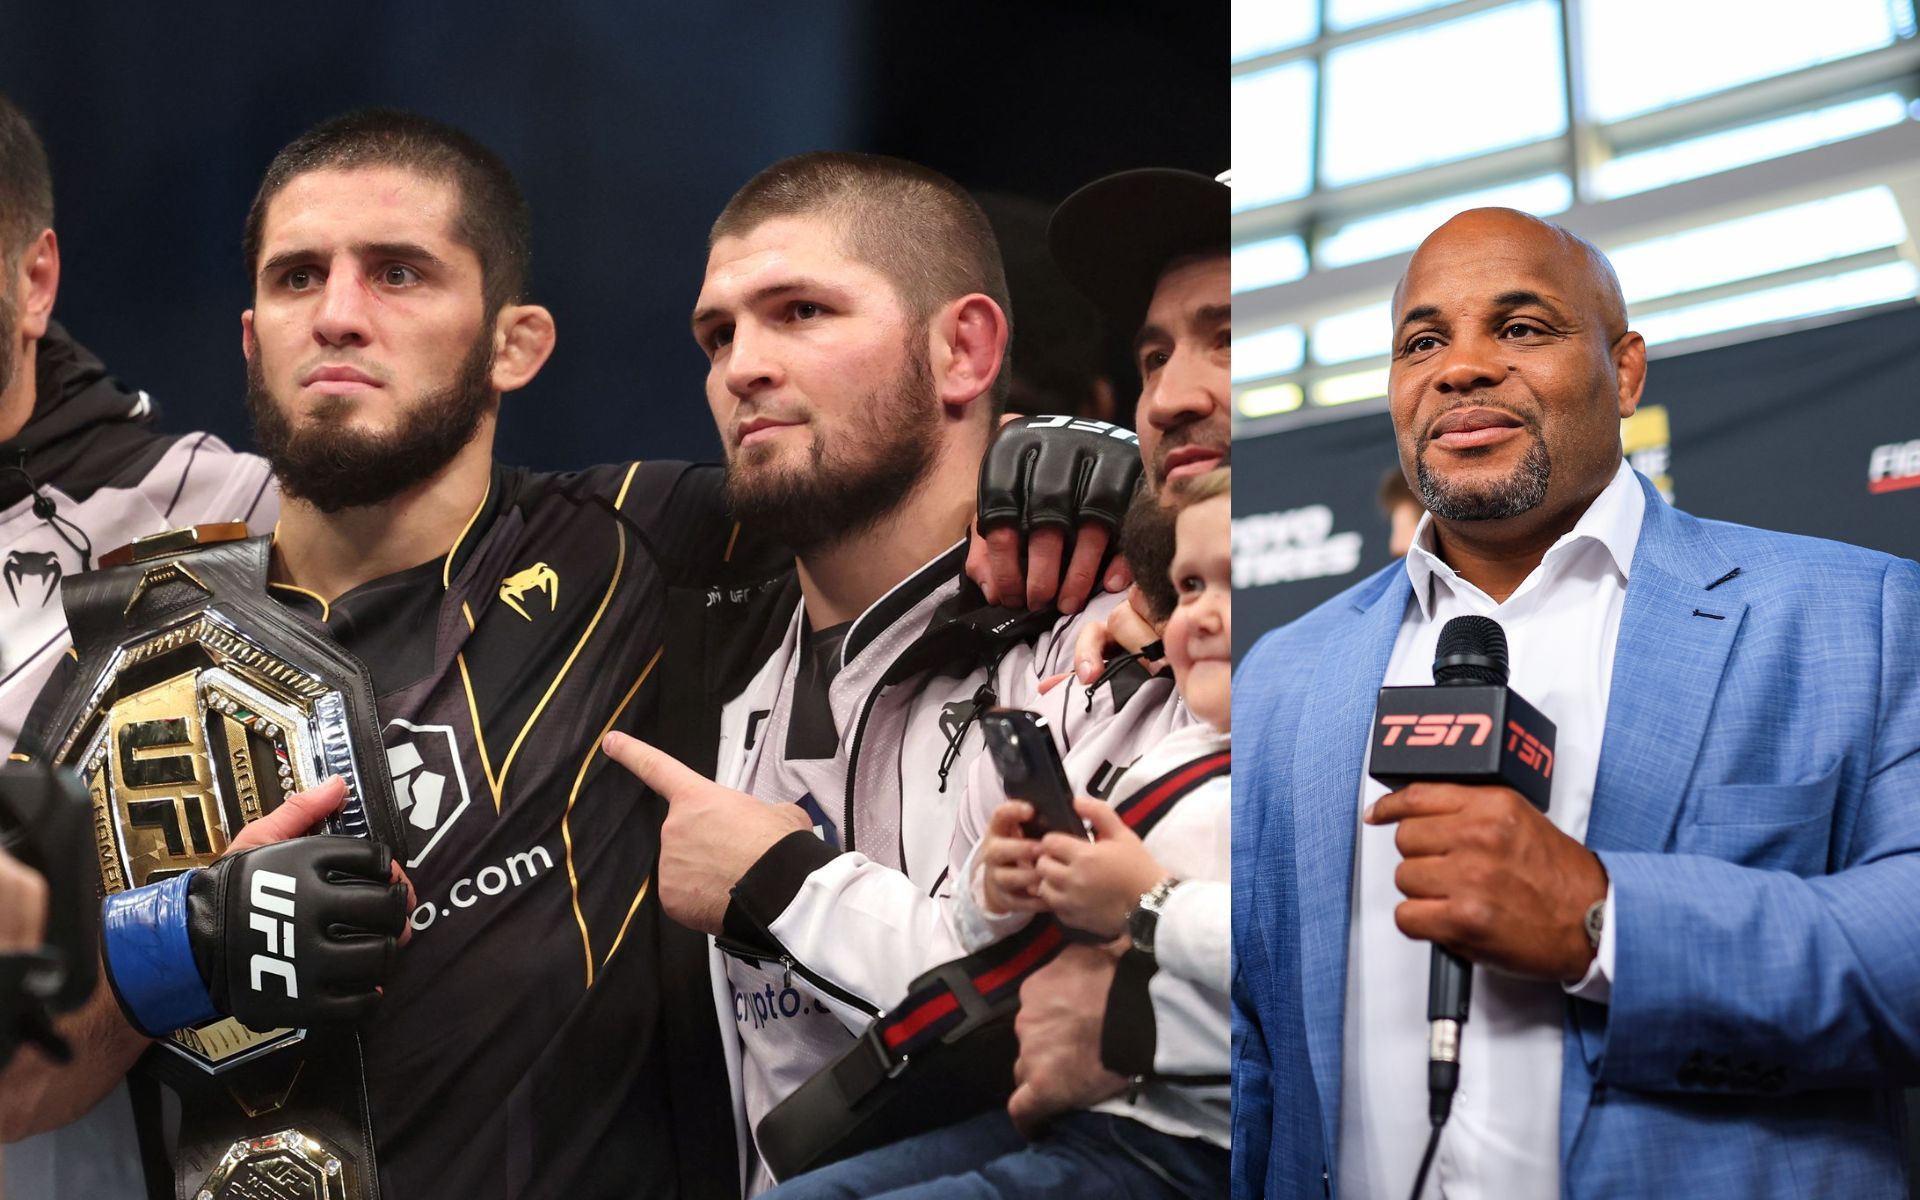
(91, 448)
(824, 934)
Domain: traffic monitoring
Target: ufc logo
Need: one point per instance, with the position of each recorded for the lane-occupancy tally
(273, 893)
(1530, 750)
(1085, 426)
(1437, 729)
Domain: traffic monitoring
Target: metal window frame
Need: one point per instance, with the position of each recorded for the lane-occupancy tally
(1890, 156)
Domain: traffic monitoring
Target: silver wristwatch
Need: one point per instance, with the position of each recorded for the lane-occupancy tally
(1596, 922)
(1146, 915)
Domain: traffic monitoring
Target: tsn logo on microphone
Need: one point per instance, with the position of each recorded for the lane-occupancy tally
(1447, 729)
(272, 915)
(1436, 729)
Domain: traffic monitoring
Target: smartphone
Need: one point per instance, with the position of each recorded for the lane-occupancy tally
(1022, 748)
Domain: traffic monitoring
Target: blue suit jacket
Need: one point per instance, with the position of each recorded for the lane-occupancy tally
(1758, 810)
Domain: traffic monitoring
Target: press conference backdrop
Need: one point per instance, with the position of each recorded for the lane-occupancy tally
(1814, 432)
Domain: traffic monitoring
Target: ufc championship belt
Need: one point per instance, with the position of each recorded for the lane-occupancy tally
(201, 705)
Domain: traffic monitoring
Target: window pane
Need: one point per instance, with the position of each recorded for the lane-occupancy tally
(1403, 229)
(1271, 400)
(1362, 333)
(1760, 244)
(1429, 96)
(1272, 135)
(1647, 54)
(1732, 148)
(1351, 389)
(1264, 26)
(1267, 353)
(1269, 263)
(1347, 14)
(1836, 293)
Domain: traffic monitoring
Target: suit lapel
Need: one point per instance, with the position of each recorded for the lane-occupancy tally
(1675, 636)
(1328, 748)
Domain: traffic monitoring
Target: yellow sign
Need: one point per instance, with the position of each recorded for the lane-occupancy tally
(1648, 445)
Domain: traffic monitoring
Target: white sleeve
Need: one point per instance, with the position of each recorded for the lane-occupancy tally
(867, 929)
(1194, 937)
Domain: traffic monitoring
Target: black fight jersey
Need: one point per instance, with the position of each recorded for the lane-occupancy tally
(548, 1031)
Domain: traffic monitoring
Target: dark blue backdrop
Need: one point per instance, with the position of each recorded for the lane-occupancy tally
(628, 124)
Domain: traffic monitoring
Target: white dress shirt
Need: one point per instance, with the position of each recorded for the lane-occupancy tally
(1502, 1141)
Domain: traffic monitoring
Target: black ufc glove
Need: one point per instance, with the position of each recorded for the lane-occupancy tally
(288, 935)
(1058, 471)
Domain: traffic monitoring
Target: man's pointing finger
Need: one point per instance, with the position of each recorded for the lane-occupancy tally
(662, 772)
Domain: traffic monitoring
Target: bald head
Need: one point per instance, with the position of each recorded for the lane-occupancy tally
(1586, 277)
(1512, 369)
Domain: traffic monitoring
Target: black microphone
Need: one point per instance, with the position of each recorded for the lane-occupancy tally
(1467, 728)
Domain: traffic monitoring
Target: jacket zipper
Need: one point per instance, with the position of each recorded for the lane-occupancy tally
(853, 758)
(789, 968)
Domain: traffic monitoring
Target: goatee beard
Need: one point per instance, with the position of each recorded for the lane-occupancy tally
(1523, 490)
(882, 455)
(333, 467)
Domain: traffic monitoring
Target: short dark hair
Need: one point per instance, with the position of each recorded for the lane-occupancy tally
(494, 221)
(26, 185)
(921, 230)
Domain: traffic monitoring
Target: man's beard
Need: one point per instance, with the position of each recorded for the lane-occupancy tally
(1147, 539)
(1524, 489)
(876, 461)
(332, 467)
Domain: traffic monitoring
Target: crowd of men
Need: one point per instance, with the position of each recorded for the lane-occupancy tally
(792, 653)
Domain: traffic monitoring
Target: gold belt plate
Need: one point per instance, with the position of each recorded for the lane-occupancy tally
(195, 732)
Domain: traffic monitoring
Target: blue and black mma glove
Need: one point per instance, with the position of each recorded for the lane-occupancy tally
(1059, 471)
(288, 935)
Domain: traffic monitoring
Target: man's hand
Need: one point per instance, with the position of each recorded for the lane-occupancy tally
(1062, 1008)
(283, 931)
(1128, 628)
(1044, 476)
(993, 562)
(1094, 885)
(712, 834)
(302, 813)
(1007, 854)
(23, 907)
(1489, 877)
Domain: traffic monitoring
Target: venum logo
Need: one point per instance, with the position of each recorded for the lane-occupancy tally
(1436, 729)
(538, 578)
(1894, 467)
(272, 899)
(41, 567)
